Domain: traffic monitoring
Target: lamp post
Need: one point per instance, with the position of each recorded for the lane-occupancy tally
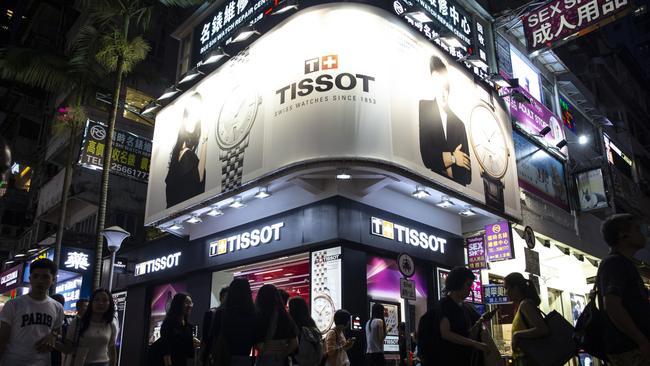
(114, 235)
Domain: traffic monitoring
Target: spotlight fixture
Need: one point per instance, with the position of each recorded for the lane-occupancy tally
(237, 202)
(214, 212)
(419, 16)
(175, 226)
(518, 96)
(343, 175)
(579, 257)
(194, 220)
(467, 212)
(169, 92)
(263, 193)
(150, 107)
(285, 6)
(244, 33)
(420, 192)
(445, 202)
(561, 144)
(33, 250)
(191, 75)
(583, 139)
(544, 131)
(501, 81)
(546, 243)
(215, 55)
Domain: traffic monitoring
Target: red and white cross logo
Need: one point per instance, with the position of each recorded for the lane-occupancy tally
(330, 62)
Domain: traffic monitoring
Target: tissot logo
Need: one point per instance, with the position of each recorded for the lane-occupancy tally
(403, 234)
(157, 264)
(324, 82)
(246, 240)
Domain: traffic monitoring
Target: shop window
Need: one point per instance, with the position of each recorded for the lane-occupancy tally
(135, 101)
(161, 298)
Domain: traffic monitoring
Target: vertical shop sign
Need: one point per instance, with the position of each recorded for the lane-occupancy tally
(120, 307)
(325, 286)
(532, 261)
(567, 115)
(498, 240)
(476, 256)
(495, 294)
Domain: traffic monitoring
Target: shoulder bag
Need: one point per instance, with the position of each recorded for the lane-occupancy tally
(554, 349)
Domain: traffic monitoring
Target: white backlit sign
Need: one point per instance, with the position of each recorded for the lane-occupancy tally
(9, 279)
(71, 290)
(246, 240)
(77, 260)
(403, 234)
(157, 264)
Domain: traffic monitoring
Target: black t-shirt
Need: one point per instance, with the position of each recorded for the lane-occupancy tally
(461, 318)
(183, 180)
(177, 342)
(618, 276)
(239, 330)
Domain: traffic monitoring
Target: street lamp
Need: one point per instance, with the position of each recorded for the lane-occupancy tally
(114, 235)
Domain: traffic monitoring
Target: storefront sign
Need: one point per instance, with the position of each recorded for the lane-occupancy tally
(71, 291)
(476, 256)
(326, 285)
(495, 294)
(10, 278)
(334, 97)
(591, 190)
(76, 261)
(120, 265)
(119, 298)
(130, 156)
(560, 20)
(568, 115)
(499, 242)
(157, 264)
(246, 240)
(403, 234)
(407, 289)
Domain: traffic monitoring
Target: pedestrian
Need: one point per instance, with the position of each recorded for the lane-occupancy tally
(456, 318)
(277, 332)
(375, 335)
(234, 328)
(528, 322)
(81, 305)
(30, 324)
(91, 338)
(208, 321)
(401, 341)
(56, 359)
(622, 293)
(310, 339)
(177, 341)
(336, 346)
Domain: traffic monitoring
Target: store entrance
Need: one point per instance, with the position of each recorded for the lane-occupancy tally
(290, 274)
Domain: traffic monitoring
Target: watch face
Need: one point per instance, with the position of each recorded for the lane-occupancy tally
(488, 142)
(236, 117)
(323, 312)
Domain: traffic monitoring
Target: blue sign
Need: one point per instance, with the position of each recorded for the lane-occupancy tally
(495, 294)
(71, 291)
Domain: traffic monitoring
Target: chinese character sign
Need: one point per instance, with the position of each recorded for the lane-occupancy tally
(476, 256)
(130, 155)
(495, 294)
(77, 260)
(498, 241)
(560, 19)
(567, 115)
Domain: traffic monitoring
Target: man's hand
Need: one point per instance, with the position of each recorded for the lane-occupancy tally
(462, 159)
(46, 344)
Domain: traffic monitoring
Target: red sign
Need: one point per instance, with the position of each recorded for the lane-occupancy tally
(476, 256)
(560, 19)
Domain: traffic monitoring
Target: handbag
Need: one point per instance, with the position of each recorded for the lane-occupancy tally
(590, 327)
(554, 349)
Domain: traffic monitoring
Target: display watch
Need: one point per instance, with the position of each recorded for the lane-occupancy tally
(323, 305)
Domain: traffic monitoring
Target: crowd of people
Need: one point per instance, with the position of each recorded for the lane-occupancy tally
(275, 330)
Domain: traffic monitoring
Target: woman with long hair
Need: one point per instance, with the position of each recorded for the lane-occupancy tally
(336, 345)
(178, 343)
(186, 174)
(310, 340)
(277, 332)
(91, 338)
(375, 335)
(528, 321)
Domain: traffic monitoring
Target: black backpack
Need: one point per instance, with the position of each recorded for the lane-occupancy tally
(590, 328)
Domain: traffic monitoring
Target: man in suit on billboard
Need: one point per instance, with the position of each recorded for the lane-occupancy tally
(443, 139)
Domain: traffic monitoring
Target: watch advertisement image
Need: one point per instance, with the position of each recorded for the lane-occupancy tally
(325, 287)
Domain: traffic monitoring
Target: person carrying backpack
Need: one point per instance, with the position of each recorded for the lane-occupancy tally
(310, 340)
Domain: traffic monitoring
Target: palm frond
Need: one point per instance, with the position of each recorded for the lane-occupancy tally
(137, 51)
(114, 46)
(36, 68)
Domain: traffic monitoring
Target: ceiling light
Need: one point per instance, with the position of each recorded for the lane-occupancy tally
(33, 250)
(150, 107)
(215, 55)
(194, 220)
(544, 131)
(244, 33)
(9, 262)
(237, 203)
(169, 92)
(214, 212)
(191, 75)
(263, 193)
(445, 202)
(19, 255)
(561, 144)
(583, 139)
(343, 175)
(419, 16)
(285, 6)
(467, 212)
(420, 193)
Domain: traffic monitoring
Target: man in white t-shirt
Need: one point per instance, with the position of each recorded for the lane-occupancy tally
(30, 324)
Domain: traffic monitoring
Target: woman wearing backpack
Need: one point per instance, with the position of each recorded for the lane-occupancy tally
(310, 340)
(528, 321)
(336, 345)
(375, 335)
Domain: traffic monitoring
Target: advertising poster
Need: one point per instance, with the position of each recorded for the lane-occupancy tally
(527, 77)
(337, 96)
(591, 190)
(161, 298)
(476, 293)
(441, 279)
(392, 319)
(476, 256)
(498, 241)
(383, 279)
(578, 304)
(120, 307)
(71, 291)
(326, 287)
(540, 173)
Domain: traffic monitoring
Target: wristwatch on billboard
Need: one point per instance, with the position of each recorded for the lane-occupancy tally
(323, 306)
(491, 150)
(234, 124)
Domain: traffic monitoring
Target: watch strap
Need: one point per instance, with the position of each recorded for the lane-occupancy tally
(232, 167)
